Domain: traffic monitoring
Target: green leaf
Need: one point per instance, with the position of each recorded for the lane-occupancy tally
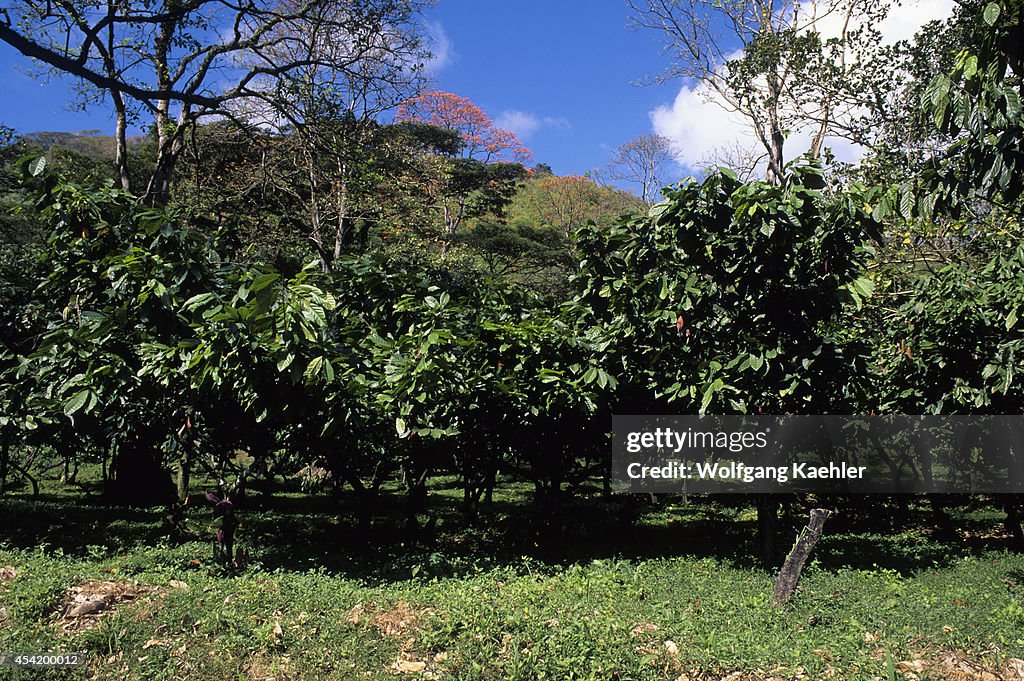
(991, 14)
(1011, 319)
(939, 90)
(864, 286)
(907, 200)
(970, 67)
(36, 166)
(1013, 107)
(939, 117)
(263, 281)
(709, 394)
(314, 367)
(197, 300)
(76, 402)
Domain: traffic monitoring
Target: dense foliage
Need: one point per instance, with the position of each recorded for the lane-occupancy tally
(349, 297)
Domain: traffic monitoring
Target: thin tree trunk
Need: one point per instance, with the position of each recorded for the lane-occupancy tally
(451, 224)
(159, 190)
(316, 235)
(826, 110)
(120, 110)
(342, 206)
(121, 143)
(184, 477)
(767, 527)
(943, 523)
(1013, 522)
(168, 141)
(776, 159)
(28, 476)
(5, 459)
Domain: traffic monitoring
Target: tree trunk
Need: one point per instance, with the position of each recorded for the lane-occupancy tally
(169, 138)
(121, 143)
(28, 476)
(65, 476)
(316, 235)
(1013, 521)
(776, 160)
(943, 523)
(120, 110)
(184, 477)
(341, 197)
(452, 220)
(490, 481)
(158, 193)
(785, 583)
(5, 459)
(138, 479)
(415, 500)
(767, 527)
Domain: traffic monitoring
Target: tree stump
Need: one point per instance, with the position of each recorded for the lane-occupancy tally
(785, 583)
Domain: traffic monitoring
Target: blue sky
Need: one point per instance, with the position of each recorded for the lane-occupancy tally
(560, 73)
(567, 68)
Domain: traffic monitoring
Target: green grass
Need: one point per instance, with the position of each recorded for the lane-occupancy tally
(675, 594)
(605, 619)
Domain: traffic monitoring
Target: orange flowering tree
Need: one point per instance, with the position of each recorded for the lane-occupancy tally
(480, 176)
(566, 202)
(481, 139)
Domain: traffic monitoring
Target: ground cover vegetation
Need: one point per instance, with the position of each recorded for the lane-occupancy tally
(289, 389)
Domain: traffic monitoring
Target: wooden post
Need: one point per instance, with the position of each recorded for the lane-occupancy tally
(785, 583)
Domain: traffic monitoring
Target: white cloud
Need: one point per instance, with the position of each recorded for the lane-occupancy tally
(701, 127)
(901, 23)
(521, 123)
(440, 45)
(698, 125)
(904, 20)
(525, 124)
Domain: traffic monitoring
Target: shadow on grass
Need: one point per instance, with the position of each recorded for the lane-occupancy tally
(303, 532)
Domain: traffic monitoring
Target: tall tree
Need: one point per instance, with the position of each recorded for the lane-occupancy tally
(334, 112)
(181, 60)
(481, 175)
(568, 202)
(482, 140)
(772, 62)
(643, 161)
